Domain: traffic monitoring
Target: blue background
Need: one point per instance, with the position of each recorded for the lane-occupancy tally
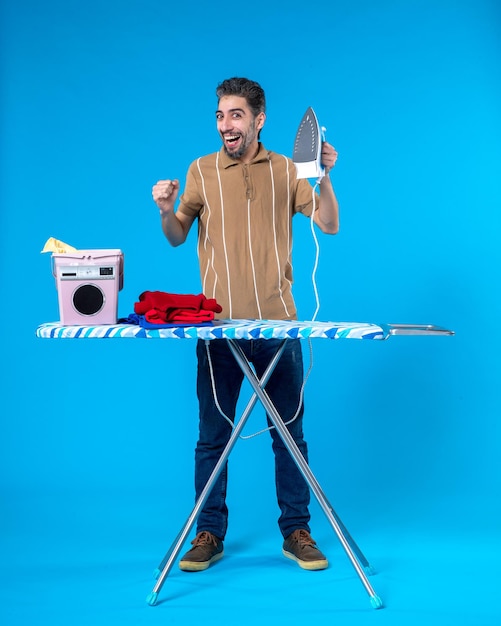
(100, 100)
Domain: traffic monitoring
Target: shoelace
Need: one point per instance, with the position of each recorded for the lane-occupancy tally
(303, 538)
(204, 538)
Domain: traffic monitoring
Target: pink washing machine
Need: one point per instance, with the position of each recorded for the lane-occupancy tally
(88, 282)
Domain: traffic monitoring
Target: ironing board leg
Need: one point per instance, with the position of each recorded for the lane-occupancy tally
(167, 562)
(369, 570)
(305, 470)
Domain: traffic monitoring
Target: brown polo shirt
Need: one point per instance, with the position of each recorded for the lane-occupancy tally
(245, 232)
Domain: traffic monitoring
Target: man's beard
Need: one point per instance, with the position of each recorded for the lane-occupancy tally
(247, 139)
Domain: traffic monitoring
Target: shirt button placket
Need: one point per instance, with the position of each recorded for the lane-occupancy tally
(248, 191)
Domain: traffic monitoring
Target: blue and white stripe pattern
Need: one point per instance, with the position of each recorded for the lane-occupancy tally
(221, 329)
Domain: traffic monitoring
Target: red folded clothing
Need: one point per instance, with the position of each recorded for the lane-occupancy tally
(160, 307)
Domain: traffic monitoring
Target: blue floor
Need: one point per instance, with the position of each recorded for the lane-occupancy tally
(79, 559)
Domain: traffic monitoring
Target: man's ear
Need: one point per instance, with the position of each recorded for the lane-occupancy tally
(260, 119)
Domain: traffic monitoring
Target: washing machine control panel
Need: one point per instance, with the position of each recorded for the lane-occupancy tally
(86, 272)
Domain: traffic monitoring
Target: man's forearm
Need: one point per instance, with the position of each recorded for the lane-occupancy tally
(327, 216)
(173, 228)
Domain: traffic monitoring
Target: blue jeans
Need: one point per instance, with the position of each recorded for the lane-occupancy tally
(283, 387)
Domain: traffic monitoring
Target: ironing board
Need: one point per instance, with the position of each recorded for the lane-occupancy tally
(232, 331)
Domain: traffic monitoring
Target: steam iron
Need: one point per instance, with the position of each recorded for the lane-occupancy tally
(307, 151)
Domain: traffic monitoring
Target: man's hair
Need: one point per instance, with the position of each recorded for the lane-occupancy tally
(248, 89)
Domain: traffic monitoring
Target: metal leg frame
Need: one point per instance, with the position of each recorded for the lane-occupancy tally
(165, 566)
(305, 470)
(353, 552)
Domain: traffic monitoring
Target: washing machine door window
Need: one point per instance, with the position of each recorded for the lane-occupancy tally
(88, 299)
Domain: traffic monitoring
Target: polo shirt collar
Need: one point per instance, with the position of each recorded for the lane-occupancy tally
(226, 161)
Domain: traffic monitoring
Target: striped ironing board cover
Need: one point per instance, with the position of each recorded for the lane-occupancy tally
(220, 329)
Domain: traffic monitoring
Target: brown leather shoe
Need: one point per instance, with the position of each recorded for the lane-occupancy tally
(300, 547)
(207, 548)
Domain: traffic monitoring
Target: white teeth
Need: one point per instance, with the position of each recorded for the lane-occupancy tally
(231, 137)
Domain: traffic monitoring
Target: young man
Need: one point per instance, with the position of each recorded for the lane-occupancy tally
(244, 198)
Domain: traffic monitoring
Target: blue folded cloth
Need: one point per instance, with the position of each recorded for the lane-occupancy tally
(140, 320)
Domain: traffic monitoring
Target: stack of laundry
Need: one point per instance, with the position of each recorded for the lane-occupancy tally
(160, 308)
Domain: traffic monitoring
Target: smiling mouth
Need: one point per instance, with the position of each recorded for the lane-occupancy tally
(231, 140)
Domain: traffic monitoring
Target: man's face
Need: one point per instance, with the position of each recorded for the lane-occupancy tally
(238, 127)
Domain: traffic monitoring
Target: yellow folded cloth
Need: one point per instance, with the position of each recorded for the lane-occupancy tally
(54, 245)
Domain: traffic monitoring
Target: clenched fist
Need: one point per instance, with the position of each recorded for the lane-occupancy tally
(165, 193)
